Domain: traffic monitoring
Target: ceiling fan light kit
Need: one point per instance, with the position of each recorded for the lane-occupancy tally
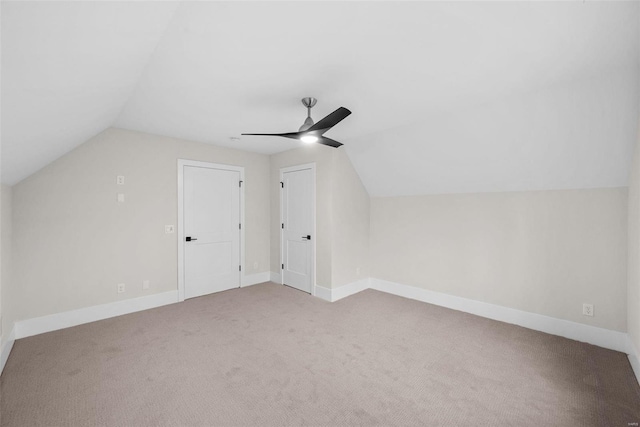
(311, 132)
(309, 139)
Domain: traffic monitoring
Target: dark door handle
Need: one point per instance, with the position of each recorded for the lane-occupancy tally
(189, 238)
(308, 237)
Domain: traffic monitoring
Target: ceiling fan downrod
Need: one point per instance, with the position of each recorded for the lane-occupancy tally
(308, 102)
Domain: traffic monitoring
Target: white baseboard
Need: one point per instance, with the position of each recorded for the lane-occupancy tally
(67, 319)
(275, 277)
(254, 279)
(606, 338)
(335, 294)
(350, 289)
(634, 359)
(323, 293)
(6, 349)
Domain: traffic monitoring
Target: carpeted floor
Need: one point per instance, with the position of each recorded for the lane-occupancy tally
(271, 355)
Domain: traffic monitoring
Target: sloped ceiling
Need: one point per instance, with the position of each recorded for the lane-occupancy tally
(67, 71)
(446, 97)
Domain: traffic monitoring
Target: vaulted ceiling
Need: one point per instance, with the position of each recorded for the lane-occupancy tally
(446, 96)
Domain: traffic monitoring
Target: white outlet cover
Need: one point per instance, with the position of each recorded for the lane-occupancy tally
(121, 288)
(120, 180)
(145, 284)
(169, 229)
(587, 309)
(120, 197)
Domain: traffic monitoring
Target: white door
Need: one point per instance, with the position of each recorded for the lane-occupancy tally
(297, 228)
(211, 230)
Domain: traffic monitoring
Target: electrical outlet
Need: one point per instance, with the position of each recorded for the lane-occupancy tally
(145, 284)
(587, 309)
(120, 288)
(169, 229)
(120, 180)
(255, 265)
(120, 197)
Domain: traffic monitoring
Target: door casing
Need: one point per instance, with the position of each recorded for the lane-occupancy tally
(181, 164)
(311, 166)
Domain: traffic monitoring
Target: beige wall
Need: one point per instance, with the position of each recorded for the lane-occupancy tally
(350, 217)
(544, 252)
(3, 232)
(322, 156)
(7, 288)
(633, 285)
(74, 243)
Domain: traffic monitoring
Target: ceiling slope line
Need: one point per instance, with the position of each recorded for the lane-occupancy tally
(144, 70)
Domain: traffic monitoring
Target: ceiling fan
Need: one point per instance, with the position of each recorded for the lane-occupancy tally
(310, 132)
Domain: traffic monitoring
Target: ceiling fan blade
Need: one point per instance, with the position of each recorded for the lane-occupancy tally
(328, 141)
(330, 121)
(294, 135)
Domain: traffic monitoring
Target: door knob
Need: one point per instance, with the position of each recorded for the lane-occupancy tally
(189, 238)
(308, 237)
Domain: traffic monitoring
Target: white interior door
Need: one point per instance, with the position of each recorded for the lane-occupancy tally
(211, 215)
(298, 228)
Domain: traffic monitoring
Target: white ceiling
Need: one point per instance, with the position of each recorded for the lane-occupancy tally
(446, 97)
(67, 71)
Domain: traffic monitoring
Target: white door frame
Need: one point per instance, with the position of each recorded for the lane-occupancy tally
(311, 166)
(181, 164)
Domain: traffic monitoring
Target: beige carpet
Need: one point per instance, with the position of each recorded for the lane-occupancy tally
(271, 355)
